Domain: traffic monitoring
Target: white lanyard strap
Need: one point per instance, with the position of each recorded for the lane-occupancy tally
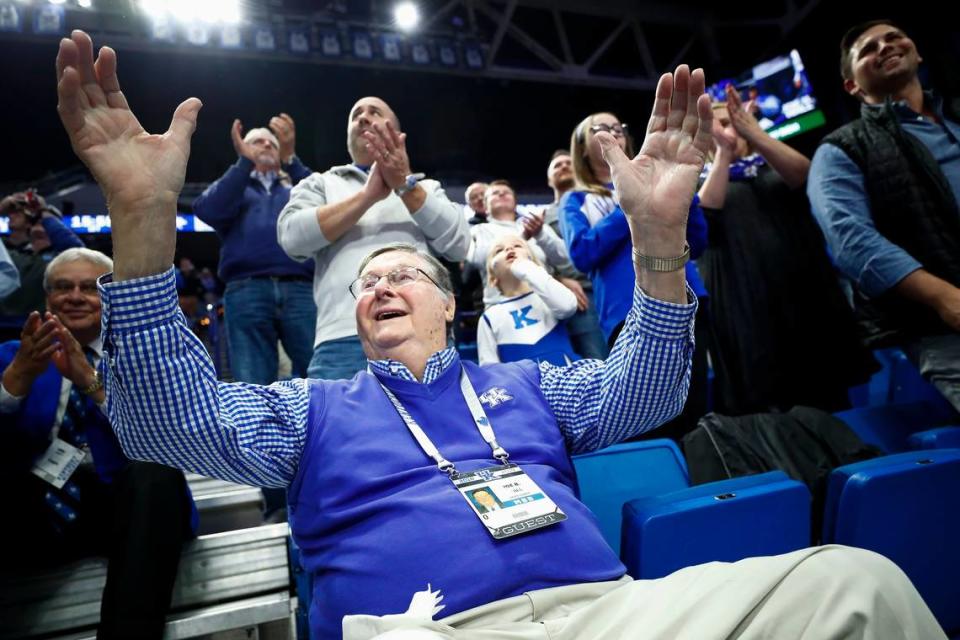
(425, 443)
(479, 419)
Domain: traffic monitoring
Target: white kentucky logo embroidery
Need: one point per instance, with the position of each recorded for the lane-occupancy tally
(495, 396)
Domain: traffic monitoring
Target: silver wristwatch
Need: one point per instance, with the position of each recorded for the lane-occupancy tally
(410, 182)
(662, 265)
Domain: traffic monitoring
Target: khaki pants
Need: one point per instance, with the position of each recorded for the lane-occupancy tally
(818, 593)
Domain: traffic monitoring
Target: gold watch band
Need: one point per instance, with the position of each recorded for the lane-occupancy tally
(662, 265)
(94, 386)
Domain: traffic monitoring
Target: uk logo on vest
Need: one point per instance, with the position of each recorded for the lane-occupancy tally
(494, 397)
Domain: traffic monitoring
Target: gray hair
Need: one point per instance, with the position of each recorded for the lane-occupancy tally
(261, 132)
(76, 254)
(437, 271)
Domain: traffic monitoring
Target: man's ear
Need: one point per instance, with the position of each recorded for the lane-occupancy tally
(853, 89)
(450, 312)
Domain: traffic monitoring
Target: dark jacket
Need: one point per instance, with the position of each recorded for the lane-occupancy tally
(912, 205)
(244, 214)
(805, 443)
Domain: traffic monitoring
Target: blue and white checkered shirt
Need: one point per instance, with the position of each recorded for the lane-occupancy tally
(166, 404)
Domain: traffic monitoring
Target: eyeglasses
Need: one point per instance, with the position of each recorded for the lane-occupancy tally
(398, 278)
(63, 287)
(615, 129)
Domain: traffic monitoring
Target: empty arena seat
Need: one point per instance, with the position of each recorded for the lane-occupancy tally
(904, 507)
(655, 470)
(610, 477)
(897, 381)
(941, 438)
(889, 427)
(764, 514)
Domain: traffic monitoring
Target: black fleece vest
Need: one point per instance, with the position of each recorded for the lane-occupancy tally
(912, 206)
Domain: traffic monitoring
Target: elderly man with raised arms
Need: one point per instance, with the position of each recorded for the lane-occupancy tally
(379, 467)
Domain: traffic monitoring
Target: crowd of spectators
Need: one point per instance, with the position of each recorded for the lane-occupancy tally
(766, 239)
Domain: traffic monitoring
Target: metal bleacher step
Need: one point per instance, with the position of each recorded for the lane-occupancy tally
(211, 621)
(226, 580)
(225, 506)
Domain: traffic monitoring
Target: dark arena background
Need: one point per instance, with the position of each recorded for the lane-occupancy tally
(762, 460)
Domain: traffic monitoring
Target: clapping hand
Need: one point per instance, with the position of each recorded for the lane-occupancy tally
(532, 225)
(741, 115)
(69, 358)
(726, 138)
(243, 149)
(286, 131)
(37, 344)
(389, 148)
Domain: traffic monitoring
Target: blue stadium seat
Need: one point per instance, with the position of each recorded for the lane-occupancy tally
(941, 438)
(765, 514)
(890, 427)
(610, 477)
(905, 507)
(897, 381)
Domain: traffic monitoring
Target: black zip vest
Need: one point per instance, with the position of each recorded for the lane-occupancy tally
(912, 206)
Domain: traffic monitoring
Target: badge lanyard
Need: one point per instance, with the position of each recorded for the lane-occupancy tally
(504, 498)
(479, 419)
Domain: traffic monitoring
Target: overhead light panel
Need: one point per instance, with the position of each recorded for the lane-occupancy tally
(211, 11)
(406, 16)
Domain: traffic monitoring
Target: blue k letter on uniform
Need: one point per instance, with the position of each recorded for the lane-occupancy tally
(520, 319)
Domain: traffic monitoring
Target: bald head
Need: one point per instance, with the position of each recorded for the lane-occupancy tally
(363, 115)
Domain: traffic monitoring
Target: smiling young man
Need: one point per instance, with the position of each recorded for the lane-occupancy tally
(379, 467)
(885, 190)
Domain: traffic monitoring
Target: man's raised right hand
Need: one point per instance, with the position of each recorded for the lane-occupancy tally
(141, 174)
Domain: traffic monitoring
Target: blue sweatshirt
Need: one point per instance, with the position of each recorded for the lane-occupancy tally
(61, 236)
(598, 241)
(244, 215)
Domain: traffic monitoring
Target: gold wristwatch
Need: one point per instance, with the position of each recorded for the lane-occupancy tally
(94, 386)
(662, 265)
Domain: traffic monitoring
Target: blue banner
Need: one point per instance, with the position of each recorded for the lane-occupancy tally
(447, 52)
(49, 19)
(362, 45)
(391, 45)
(420, 53)
(473, 55)
(11, 18)
(231, 37)
(298, 39)
(330, 43)
(263, 38)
